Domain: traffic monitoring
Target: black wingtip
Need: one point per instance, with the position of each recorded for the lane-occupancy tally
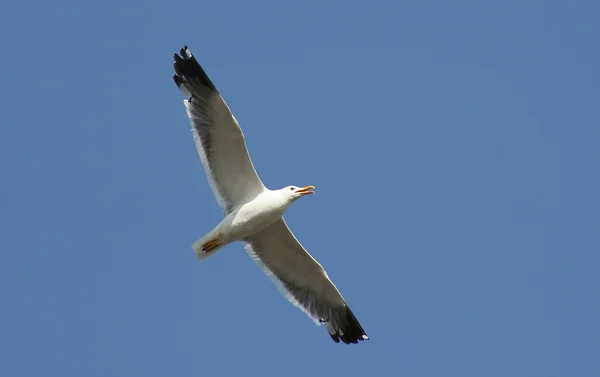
(177, 80)
(188, 69)
(351, 332)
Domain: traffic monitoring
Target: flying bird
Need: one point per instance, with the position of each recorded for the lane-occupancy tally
(252, 212)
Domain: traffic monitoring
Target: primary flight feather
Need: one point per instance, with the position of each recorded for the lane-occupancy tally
(253, 213)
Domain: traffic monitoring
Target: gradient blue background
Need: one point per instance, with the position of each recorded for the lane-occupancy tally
(454, 147)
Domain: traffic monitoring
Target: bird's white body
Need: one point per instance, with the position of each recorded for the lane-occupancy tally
(252, 217)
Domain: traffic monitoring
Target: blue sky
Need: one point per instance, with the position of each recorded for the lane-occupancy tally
(454, 147)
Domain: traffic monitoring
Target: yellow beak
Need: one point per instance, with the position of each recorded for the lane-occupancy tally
(306, 190)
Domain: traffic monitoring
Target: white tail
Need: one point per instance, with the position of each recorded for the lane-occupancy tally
(208, 245)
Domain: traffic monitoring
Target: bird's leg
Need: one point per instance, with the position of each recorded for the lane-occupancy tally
(213, 243)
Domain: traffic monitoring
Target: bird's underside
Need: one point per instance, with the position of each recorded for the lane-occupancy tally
(231, 174)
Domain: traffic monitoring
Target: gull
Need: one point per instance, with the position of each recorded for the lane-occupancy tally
(252, 212)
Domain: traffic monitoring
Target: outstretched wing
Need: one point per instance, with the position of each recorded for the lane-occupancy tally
(218, 137)
(303, 281)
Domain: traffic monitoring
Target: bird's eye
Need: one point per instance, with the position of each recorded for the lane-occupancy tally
(291, 188)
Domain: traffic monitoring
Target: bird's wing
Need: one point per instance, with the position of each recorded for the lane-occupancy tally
(303, 281)
(218, 137)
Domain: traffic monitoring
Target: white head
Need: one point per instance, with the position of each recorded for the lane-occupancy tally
(292, 193)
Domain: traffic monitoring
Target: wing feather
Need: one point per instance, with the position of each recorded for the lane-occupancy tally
(303, 281)
(218, 137)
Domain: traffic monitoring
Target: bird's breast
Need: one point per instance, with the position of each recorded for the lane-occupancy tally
(252, 217)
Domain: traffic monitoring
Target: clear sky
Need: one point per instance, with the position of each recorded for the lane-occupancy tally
(453, 145)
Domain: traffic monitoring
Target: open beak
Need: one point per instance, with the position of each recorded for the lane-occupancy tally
(306, 190)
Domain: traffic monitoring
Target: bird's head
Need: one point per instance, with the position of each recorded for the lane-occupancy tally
(293, 192)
